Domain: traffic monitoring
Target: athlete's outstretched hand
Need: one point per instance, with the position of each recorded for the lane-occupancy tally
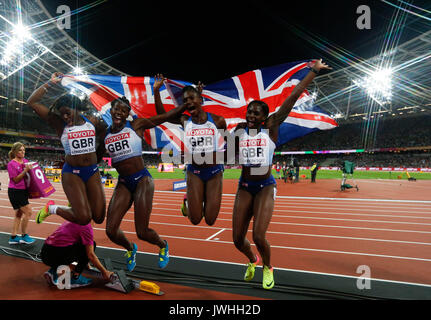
(319, 65)
(158, 81)
(56, 77)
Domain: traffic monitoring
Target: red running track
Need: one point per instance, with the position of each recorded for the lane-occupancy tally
(386, 225)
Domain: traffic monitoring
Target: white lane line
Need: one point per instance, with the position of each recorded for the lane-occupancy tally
(290, 223)
(306, 217)
(35, 205)
(349, 214)
(360, 207)
(291, 197)
(294, 234)
(309, 198)
(215, 234)
(320, 198)
(296, 224)
(425, 212)
(321, 218)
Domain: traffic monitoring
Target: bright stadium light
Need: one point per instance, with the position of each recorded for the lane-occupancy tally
(21, 32)
(380, 81)
(14, 50)
(378, 85)
(78, 71)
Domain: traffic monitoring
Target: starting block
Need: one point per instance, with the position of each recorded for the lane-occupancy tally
(120, 282)
(56, 179)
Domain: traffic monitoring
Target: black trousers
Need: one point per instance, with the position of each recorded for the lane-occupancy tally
(313, 175)
(57, 256)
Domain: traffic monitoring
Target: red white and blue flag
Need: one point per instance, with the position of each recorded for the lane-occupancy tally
(227, 98)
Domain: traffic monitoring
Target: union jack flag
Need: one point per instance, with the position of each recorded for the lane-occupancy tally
(228, 98)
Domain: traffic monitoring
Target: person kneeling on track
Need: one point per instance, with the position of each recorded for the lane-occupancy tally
(71, 243)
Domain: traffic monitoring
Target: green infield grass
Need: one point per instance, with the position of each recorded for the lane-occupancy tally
(321, 174)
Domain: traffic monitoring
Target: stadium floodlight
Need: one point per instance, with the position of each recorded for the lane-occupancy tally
(78, 71)
(21, 32)
(378, 85)
(19, 49)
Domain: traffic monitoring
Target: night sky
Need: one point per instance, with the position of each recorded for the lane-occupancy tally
(214, 40)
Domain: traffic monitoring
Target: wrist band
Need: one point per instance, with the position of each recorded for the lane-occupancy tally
(314, 70)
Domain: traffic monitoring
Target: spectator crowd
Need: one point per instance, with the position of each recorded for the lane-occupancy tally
(409, 132)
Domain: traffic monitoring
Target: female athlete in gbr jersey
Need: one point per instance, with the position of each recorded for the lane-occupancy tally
(80, 175)
(204, 144)
(257, 187)
(123, 142)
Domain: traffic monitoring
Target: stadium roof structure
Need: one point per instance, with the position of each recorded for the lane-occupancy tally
(407, 66)
(32, 47)
(27, 61)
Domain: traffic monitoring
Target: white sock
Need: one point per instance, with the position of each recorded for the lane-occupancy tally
(53, 208)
